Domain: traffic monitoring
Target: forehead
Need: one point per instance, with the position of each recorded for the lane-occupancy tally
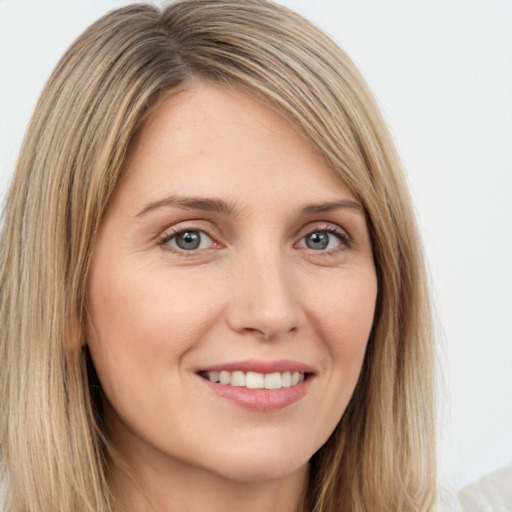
(208, 139)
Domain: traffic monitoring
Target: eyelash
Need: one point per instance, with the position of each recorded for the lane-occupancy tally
(342, 236)
(167, 237)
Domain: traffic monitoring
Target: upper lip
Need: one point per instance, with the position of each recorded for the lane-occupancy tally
(259, 366)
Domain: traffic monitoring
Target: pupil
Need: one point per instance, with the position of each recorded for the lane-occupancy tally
(317, 240)
(188, 240)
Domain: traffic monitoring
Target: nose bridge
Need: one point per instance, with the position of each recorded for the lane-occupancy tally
(263, 299)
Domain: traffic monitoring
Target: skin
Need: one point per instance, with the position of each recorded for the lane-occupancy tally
(253, 289)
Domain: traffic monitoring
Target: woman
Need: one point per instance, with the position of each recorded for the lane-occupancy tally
(213, 294)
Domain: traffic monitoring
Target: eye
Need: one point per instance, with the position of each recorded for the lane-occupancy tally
(323, 240)
(188, 240)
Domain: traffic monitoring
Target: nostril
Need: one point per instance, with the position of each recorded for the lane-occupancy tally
(266, 335)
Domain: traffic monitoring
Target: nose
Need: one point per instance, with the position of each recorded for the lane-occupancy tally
(264, 302)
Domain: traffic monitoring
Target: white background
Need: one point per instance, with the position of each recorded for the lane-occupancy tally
(442, 73)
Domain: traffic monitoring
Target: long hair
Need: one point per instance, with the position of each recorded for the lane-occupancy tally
(54, 454)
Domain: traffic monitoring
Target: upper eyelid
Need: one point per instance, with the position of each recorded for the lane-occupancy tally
(337, 233)
(166, 237)
(323, 226)
(345, 239)
(189, 225)
(174, 232)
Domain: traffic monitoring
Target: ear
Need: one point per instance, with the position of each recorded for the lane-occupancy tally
(76, 332)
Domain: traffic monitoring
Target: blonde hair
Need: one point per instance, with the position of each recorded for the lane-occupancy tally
(54, 456)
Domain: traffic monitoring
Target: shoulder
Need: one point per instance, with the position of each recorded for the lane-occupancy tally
(493, 493)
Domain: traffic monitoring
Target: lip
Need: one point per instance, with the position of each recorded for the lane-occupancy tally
(260, 400)
(256, 365)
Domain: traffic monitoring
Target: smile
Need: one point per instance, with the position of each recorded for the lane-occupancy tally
(261, 386)
(255, 380)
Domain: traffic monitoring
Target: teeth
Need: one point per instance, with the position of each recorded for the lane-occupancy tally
(273, 381)
(255, 380)
(225, 377)
(237, 379)
(213, 376)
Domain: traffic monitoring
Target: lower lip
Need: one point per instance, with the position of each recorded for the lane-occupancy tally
(262, 400)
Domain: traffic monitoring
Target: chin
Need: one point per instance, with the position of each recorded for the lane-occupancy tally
(263, 463)
(250, 472)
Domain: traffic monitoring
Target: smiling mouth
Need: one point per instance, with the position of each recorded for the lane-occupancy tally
(255, 380)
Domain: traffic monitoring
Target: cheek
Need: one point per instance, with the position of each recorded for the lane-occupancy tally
(343, 320)
(341, 312)
(142, 319)
(148, 300)
(344, 310)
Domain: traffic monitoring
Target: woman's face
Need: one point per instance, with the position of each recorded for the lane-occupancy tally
(229, 252)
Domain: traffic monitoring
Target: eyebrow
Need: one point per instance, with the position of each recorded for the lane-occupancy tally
(191, 203)
(220, 206)
(332, 205)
